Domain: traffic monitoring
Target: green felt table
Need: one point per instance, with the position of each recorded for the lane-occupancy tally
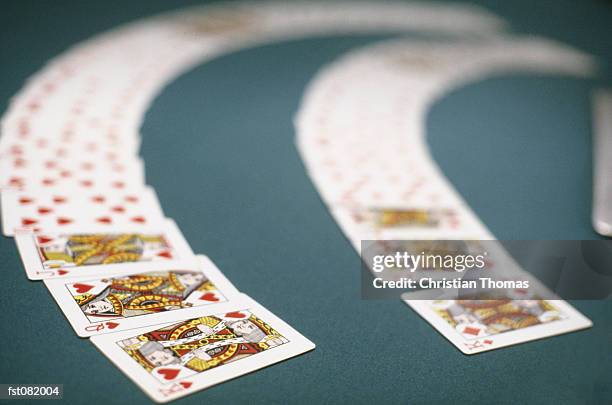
(219, 149)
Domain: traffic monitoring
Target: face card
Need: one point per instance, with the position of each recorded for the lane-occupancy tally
(212, 345)
(139, 298)
(411, 222)
(95, 251)
(406, 224)
(476, 326)
(40, 211)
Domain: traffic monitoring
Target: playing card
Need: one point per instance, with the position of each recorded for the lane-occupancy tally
(55, 132)
(46, 212)
(212, 345)
(67, 107)
(139, 297)
(388, 224)
(475, 326)
(80, 181)
(37, 170)
(96, 250)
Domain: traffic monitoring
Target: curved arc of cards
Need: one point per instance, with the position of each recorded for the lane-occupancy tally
(347, 157)
(156, 50)
(153, 52)
(145, 55)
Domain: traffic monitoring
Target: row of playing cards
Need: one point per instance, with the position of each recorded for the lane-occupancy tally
(170, 320)
(361, 133)
(74, 194)
(74, 197)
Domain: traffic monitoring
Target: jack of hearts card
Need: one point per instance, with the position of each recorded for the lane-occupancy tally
(97, 250)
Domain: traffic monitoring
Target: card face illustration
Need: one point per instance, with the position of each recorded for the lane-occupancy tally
(212, 345)
(475, 326)
(139, 298)
(96, 250)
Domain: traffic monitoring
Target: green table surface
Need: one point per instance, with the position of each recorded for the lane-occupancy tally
(219, 150)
